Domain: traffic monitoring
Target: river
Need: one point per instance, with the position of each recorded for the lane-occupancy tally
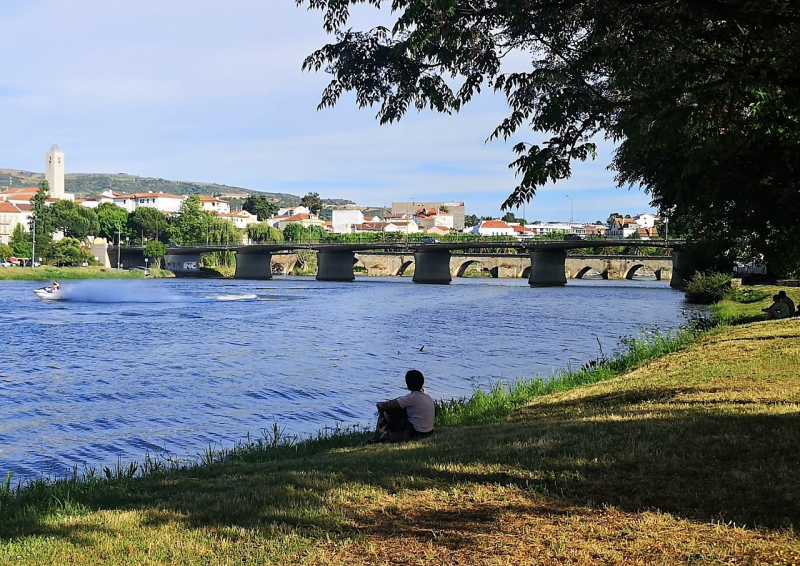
(122, 368)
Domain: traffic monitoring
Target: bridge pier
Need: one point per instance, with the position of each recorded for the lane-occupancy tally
(679, 271)
(432, 267)
(335, 265)
(253, 266)
(548, 268)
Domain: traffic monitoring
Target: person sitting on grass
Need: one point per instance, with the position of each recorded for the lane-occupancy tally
(789, 302)
(777, 310)
(408, 417)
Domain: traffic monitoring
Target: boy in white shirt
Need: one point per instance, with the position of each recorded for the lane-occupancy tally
(417, 422)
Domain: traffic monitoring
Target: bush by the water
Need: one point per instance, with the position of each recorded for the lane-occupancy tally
(707, 288)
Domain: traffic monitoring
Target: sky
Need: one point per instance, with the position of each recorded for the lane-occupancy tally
(211, 91)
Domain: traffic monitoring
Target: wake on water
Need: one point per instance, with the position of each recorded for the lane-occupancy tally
(116, 292)
(236, 297)
(132, 292)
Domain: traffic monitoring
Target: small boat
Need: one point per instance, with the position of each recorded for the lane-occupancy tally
(47, 293)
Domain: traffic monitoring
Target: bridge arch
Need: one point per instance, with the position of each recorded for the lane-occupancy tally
(632, 270)
(462, 269)
(526, 272)
(586, 270)
(405, 265)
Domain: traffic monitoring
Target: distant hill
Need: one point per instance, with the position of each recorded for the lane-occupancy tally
(87, 184)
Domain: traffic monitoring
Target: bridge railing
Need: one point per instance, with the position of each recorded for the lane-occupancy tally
(396, 238)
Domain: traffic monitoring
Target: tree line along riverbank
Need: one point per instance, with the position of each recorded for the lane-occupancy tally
(681, 448)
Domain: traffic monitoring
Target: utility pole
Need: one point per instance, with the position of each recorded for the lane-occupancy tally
(571, 212)
(119, 243)
(33, 246)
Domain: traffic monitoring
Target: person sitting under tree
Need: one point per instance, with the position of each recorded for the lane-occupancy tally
(788, 302)
(408, 417)
(779, 309)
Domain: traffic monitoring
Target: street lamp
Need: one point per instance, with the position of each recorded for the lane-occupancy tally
(571, 212)
(666, 229)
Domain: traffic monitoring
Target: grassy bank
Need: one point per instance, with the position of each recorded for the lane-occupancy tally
(688, 457)
(49, 273)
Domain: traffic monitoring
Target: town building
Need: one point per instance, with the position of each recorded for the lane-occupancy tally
(11, 215)
(427, 218)
(305, 220)
(493, 228)
(241, 218)
(412, 206)
(164, 202)
(343, 221)
(622, 228)
(97, 200)
(215, 205)
(646, 220)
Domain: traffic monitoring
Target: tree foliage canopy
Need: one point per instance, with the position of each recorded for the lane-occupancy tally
(75, 220)
(113, 221)
(262, 232)
(701, 96)
(261, 206)
(149, 223)
(312, 202)
(190, 224)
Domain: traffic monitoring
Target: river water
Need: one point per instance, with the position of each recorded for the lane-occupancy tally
(122, 368)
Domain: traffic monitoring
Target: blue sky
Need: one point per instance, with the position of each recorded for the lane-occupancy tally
(203, 90)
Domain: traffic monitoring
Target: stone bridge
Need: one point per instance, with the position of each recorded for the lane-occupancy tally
(544, 263)
(507, 265)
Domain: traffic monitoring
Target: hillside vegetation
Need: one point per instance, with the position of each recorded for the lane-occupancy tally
(88, 184)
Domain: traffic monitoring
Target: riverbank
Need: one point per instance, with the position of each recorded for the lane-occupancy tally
(50, 273)
(690, 457)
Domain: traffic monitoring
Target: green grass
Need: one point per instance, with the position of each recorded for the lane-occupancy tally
(744, 304)
(49, 273)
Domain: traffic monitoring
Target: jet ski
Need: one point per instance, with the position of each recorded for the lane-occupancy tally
(48, 293)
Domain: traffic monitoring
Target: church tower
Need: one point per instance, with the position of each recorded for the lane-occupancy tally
(54, 172)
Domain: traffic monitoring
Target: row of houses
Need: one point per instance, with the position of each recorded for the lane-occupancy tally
(620, 229)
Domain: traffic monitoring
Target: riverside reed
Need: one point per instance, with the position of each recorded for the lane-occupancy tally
(685, 458)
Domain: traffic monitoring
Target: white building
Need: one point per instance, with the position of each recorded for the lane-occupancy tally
(493, 228)
(241, 219)
(211, 204)
(162, 201)
(97, 200)
(646, 220)
(622, 228)
(292, 210)
(10, 216)
(428, 218)
(344, 221)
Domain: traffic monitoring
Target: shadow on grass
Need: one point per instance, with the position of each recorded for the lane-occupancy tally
(643, 450)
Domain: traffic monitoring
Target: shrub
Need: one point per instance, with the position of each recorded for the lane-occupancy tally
(708, 288)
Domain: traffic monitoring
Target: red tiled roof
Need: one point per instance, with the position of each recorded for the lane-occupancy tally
(7, 207)
(494, 224)
(296, 217)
